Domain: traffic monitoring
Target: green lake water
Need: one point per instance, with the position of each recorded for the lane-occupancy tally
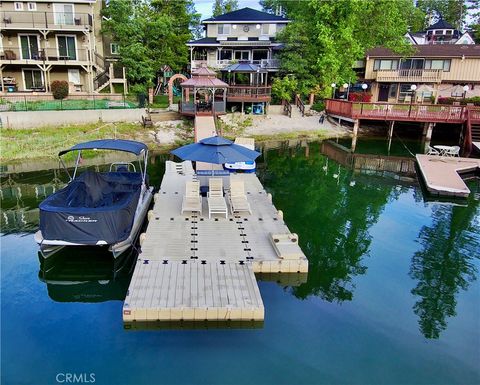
(392, 295)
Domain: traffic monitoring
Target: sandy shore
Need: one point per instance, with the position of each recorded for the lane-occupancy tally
(264, 126)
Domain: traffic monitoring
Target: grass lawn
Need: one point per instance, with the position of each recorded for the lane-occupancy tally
(161, 101)
(48, 141)
(80, 104)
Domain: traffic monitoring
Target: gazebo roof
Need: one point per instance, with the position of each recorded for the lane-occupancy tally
(243, 67)
(204, 71)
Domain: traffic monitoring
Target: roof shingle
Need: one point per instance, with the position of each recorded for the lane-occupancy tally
(247, 14)
(432, 50)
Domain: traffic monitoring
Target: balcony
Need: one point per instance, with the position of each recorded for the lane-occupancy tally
(14, 55)
(249, 94)
(409, 76)
(21, 20)
(269, 64)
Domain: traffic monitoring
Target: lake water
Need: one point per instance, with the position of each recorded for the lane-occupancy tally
(392, 295)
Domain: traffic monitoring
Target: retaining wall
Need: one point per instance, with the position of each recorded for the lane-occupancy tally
(36, 119)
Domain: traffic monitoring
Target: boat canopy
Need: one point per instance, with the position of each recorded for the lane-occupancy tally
(109, 144)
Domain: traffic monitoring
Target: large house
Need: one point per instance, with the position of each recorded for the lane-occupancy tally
(445, 63)
(242, 46)
(46, 40)
(245, 35)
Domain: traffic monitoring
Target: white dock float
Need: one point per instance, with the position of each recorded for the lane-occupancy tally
(192, 268)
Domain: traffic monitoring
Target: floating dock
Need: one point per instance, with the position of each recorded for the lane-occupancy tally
(443, 175)
(192, 268)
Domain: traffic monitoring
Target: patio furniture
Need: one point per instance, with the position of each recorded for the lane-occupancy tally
(448, 150)
(432, 151)
(286, 246)
(237, 197)
(217, 205)
(215, 187)
(192, 201)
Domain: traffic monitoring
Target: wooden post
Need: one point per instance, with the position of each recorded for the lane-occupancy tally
(311, 98)
(110, 74)
(390, 135)
(427, 135)
(1, 78)
(356, 126)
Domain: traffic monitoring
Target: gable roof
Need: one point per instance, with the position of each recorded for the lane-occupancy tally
(441, 24)
(432, 50)
(246, 15)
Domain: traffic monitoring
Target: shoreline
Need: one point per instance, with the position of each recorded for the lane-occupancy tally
(44, 143)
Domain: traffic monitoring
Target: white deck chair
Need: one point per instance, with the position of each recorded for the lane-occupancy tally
(192, 201)
(237, 196)
(215, 187)
(432, 151)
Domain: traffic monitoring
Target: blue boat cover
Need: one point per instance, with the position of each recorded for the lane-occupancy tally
(93, 207)
(109, 144)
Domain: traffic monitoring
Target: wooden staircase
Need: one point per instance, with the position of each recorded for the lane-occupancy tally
(472, 129)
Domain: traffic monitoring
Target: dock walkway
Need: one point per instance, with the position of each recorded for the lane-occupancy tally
(442, 175)
(194, 268)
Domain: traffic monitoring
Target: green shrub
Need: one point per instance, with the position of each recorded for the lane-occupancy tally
(449, 100)
(138, 89)
(59, 89)
(284, 88)
(318, 106)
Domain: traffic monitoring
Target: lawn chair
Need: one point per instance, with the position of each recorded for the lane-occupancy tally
(192, 201)
(237, 197)
(215, 187)
(453, 151)
(215, 198)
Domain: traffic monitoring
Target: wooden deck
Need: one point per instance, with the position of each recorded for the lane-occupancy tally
(193, 268)
(443, 175)
(428, 113)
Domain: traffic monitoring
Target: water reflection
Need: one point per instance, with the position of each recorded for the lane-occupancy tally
(332, 210)
(444, 265)
(87, 274)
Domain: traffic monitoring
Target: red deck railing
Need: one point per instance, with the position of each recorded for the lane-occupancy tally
(405, 112)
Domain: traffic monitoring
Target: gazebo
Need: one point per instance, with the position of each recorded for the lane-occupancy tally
(247, 83)
(203, 93)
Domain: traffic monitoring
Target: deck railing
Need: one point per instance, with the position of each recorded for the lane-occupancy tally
(251, 92)
(411, 76)
(300, 105)
(50, 20)
(12, 54)
(396, 111)
(287, 108)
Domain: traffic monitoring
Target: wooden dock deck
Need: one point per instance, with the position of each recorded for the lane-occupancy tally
(442, 175)
(193, 268)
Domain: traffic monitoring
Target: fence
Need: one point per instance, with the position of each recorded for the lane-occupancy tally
(72, 102)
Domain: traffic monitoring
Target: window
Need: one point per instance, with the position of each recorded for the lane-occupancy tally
(411, 64)
(225, 54)
(74, 76)
(33, 79)
(114, 49)
(392, 92)
(66, 47)
(224, 29)
(242, 55)
(29, 47)
(64, 14)
(404, 92)
(385, 64)
(442, 64)
(32, 6)
(265, 29)
(18, 6)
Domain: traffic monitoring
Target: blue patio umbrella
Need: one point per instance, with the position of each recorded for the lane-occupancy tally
(216, 150)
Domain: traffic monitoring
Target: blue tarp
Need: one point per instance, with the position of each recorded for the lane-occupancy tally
(93, 207)
(109, 144)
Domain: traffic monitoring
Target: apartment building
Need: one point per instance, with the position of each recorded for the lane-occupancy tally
(435, 70)
(46, 40)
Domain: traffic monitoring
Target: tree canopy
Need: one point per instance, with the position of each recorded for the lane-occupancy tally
(224, 6)
(150, 34)
(325, 38)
